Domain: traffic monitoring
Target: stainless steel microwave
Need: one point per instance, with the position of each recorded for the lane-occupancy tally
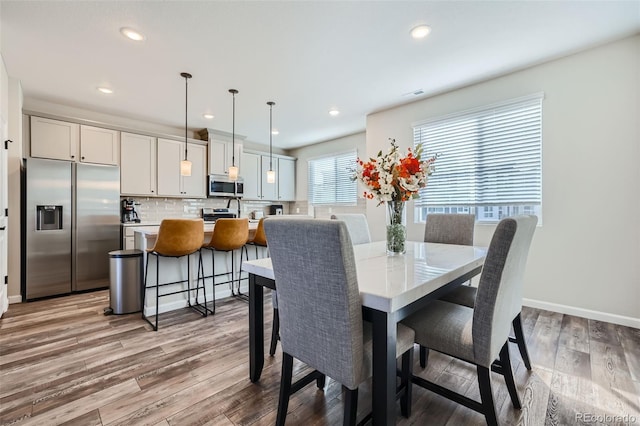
(222, 186)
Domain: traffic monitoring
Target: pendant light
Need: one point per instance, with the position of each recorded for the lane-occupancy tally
(233, 170)
(185, 165)
(271, 174)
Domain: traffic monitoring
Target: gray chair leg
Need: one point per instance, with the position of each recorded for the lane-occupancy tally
(350, 406)
(285, 388)
(505, 363)
(275, 332)
(519, 339)
(424, 356)
(488, 408)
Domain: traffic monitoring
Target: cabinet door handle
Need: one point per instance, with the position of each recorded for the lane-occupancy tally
(82, 158)
(73, 156)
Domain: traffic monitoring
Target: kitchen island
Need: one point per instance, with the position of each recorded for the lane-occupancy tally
(175, 269)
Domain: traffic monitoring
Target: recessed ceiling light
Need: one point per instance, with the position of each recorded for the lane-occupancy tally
(421, 31)
(208, 116)
(105, 90)
(131, 34)
(275, 132)
(333, 112)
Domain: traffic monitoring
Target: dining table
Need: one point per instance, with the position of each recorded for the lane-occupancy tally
(391, 287)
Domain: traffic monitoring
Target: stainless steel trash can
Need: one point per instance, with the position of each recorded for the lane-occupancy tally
(125, 281)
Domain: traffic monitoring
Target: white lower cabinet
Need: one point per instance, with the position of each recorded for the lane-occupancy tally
(170, 182)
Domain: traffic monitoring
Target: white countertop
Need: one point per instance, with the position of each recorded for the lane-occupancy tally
(152, 231)
(388, 283)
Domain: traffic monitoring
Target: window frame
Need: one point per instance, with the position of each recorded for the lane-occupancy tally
(351, 201)
(478, 146)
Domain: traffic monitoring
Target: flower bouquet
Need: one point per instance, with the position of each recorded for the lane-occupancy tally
(393, 180)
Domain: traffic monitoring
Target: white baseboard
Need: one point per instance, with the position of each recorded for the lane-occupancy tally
(15, 299)
(584, 313)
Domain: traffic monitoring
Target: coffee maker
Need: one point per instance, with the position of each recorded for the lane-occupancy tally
(128, 213)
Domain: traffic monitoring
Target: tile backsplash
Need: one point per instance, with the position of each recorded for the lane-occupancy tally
(154, 209)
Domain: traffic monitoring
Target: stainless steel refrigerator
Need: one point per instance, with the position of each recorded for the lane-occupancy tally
(71, 220)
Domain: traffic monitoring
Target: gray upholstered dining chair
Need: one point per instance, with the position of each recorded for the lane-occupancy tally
(357, 226)
(447, 228)
(458, 229)
(479, 335)
(321, 314)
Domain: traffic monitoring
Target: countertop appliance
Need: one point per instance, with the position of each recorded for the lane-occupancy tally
(222, 186)
(128, 212)
(211, 215)
(70, 222)
(276, 209)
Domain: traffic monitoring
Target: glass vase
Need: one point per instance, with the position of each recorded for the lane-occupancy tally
(396, 228)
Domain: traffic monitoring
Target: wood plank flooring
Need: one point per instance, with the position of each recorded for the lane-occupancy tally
(63, 362)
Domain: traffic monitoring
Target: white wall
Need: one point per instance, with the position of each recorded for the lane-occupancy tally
(345, 144)
(585, 258)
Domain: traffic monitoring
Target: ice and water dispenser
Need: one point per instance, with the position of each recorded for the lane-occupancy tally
(48, 218)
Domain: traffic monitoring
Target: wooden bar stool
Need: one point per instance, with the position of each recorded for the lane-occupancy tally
(228, 235)
(176, 238)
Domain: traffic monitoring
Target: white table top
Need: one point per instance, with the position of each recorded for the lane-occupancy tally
(388, 283)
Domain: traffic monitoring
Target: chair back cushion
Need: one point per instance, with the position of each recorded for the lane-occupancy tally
(357, 226)
(499, 296)
(179, 237)
(318, 298)
(229, 234)
(449, 229)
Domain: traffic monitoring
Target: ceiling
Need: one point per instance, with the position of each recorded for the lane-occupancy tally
(307, 57)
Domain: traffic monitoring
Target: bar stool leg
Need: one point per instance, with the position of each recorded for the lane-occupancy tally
(155, 327)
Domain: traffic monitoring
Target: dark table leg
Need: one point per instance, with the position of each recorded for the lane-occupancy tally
(384, 367)
(256, 329)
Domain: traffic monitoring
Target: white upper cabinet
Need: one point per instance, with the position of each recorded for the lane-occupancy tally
(254, 173)
(269, 190)
(99, 146)
(61, 140)
(196, 184)
(218, 157)
(251, 175)
(286, 179)
(170, 182)
(223, 151)
(54, 139)
(137, 164)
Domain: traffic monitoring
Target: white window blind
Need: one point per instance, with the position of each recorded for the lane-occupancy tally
(489, 156)
(330, 180)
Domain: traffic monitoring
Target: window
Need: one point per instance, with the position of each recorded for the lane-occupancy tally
(330, 180)
(489, 161)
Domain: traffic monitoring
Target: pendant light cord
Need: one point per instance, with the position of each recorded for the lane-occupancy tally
(186, 105)
(186, 76)
(233, 128)
(271, 104)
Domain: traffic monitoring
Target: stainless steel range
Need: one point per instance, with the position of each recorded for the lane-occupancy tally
(211, 215)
